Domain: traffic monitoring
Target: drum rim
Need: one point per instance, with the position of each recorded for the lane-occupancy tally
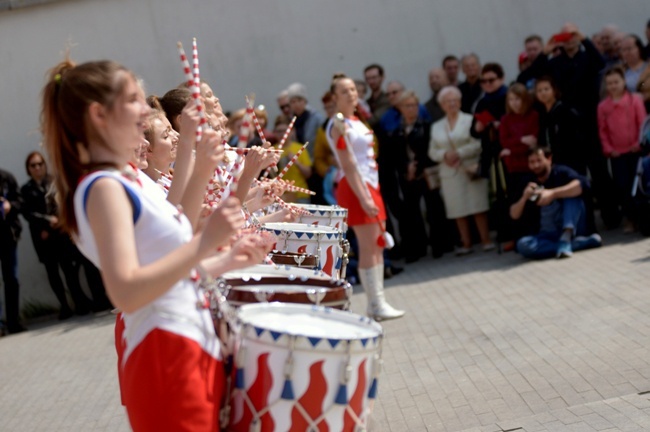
(266, 270)
(270, 226)
(321, 207)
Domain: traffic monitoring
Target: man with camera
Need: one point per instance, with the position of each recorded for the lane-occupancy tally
(557, 191)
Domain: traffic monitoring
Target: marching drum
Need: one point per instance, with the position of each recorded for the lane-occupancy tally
(265, 283)
(324, 215)
(326, 243)
(303, 368)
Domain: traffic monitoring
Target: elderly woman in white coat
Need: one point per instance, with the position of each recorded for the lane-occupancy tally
(464, 193)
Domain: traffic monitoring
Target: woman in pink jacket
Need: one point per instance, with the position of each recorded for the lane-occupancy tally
(619, 120)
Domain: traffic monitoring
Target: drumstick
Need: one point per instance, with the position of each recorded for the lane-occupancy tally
(286, 133)
(260, 132)
(385, 240)
(268, 150)
(196, 92)
(290, 188)
(291, 162)
(280, 146)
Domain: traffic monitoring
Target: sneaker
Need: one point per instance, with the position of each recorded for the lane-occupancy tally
(461, 251)
(588, 242)
(628, 227)
(489, 247)
(564, 250)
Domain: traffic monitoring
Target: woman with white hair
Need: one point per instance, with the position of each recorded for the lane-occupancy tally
(464, 193)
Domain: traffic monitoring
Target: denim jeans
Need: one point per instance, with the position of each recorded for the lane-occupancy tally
(568, 213)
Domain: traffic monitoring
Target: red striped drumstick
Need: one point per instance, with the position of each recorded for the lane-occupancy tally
(249, 105)
(291, 188)
(280, 146)
(196, 92)
(286, 134)
(292, 161)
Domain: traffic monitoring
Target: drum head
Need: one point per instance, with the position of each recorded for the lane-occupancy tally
(298, 227)
(309, 321)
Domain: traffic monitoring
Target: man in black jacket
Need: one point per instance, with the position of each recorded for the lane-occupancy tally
(10, 228)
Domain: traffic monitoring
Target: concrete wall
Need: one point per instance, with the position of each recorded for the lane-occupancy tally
(262, 46)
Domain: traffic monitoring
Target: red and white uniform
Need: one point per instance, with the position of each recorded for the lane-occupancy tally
(361, 140)
(170, 369)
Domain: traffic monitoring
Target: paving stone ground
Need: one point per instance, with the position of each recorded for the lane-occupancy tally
(490, 343)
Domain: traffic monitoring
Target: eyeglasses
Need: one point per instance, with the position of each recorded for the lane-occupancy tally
(285, 106)
(488, 80)
(36, 164)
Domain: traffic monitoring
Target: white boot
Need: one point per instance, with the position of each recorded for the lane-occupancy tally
(372, 280)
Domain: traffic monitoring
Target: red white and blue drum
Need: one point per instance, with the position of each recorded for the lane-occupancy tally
(303, 368)
(324, 242)
(324, 215)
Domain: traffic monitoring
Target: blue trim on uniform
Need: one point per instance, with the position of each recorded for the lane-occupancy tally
(133, 197)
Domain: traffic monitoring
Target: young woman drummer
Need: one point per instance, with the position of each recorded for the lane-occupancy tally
(93, 117)
(358, 191)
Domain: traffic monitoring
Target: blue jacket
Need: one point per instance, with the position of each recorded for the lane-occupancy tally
(392, 119)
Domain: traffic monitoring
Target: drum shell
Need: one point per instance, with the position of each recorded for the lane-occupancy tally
(323, 242)
(294, 259)
(317, 292)
(315, 374)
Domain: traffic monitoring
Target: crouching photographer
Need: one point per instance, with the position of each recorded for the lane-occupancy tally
(557, 191)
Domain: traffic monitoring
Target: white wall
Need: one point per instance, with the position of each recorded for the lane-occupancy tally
(262, 46)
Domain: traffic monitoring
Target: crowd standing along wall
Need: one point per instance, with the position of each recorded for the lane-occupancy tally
(261, 47)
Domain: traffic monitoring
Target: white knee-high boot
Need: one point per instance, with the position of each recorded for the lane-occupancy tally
(372, 280)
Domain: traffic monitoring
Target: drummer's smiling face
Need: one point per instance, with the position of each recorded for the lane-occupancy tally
(346, 94)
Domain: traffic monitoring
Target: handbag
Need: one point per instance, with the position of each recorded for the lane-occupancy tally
(473, 171)
(432, 177)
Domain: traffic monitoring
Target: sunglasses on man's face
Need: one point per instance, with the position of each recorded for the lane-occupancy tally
(285, 106)
(36, 164)
(488, 80)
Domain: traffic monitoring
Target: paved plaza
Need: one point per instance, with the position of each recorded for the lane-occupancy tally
(490, 343)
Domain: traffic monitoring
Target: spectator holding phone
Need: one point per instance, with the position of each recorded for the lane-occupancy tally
(576, 70)
(620, 117)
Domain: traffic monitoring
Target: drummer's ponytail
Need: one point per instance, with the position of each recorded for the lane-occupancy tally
(68, 93)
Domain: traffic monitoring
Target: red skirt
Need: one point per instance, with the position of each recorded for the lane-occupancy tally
(169, 383)
(356, 216)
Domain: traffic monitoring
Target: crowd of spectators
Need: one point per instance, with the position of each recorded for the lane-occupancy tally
(451, 168)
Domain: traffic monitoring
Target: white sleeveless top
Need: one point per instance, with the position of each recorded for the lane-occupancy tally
(159, 229)
(362, 141)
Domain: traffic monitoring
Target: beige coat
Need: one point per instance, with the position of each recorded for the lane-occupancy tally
(462, 196)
